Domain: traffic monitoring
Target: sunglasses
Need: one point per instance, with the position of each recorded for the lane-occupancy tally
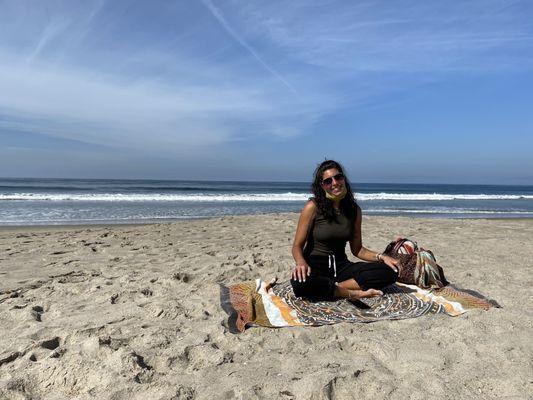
(338, 178)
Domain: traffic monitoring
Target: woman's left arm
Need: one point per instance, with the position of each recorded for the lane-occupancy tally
(358, 250)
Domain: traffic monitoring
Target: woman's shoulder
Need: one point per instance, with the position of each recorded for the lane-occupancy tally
(309, 211)
(310, 206)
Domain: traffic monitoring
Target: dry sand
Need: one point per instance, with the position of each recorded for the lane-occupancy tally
(133, 312)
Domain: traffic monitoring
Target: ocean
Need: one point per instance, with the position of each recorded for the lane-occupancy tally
(96, 201)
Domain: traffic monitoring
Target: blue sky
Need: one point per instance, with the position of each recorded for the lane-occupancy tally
(403, 91)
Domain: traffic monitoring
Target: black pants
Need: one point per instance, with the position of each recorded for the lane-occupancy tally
(325, 271)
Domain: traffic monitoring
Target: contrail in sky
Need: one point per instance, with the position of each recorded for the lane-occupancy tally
(220, 18)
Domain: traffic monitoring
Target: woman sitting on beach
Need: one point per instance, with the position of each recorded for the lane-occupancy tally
(329, 220)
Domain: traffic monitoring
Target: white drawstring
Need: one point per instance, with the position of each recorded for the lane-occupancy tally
(334, 264)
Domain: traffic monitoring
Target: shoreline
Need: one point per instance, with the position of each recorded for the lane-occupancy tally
(134, 223)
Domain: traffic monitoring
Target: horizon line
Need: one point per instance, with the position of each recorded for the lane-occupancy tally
(261, 181)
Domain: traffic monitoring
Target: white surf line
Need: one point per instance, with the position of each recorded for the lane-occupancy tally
(248, 197)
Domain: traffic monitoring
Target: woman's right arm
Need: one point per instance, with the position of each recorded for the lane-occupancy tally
(302, 270)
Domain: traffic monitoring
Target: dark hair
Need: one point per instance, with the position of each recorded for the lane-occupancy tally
(347, 205)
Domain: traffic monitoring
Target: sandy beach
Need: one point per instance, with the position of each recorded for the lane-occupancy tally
(133, 312)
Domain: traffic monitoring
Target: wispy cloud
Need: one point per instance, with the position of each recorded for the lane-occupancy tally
(73, 103)
(220, 18)
(395, 37)
(51, 30)
(60, 84)
(164, 78)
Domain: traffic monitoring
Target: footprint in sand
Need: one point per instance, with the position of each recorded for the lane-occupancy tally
(50, 344)
(37, 312)
(181, 276)
(48, 347)
(205, 355)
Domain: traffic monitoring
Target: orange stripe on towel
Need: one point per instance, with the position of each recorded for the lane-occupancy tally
(285, 310)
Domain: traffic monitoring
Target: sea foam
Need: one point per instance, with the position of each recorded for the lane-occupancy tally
(248, 197)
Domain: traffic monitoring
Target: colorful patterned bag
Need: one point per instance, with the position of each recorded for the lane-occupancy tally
(417, 265)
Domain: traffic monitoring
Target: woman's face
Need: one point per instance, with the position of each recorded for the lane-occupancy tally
(333, 181)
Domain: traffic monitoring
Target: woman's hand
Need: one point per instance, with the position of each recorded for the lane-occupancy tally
(391, 262)
(300, 272)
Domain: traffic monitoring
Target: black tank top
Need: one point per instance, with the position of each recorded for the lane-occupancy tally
(329, 237)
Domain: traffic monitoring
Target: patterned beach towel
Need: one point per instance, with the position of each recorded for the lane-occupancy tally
(422, 289)
(258, 303)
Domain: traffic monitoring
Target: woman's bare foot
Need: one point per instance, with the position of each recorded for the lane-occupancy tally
(361, 294)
